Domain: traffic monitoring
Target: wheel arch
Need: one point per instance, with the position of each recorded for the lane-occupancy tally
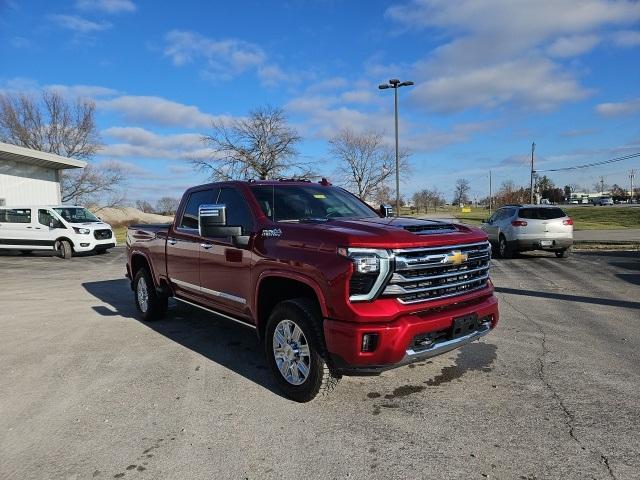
(275, 287)
(59, 239)
(139, 260)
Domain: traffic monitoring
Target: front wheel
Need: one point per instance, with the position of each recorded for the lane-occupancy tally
(504, 250)
(295, 350)
(150, 305)
(64, 249)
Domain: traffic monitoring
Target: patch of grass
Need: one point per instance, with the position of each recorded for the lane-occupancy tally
(604, 218)
(121, 233)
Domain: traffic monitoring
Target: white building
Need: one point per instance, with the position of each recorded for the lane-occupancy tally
(31, 177)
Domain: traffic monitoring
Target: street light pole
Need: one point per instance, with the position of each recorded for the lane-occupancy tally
(395, 84)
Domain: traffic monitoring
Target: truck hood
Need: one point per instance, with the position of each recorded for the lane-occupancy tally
(401, 232)
(91, 225)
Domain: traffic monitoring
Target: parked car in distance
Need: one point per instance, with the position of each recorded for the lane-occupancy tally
(331, 286)
(64, 229)
(519, 228)
(604, 201)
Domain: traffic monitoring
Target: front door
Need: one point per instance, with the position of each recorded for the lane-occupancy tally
(224, 268)
(183, 246)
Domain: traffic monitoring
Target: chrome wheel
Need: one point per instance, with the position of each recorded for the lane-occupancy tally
(502, 247)
(291, 352)
(143, 295)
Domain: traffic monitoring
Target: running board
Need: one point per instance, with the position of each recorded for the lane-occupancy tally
(215, 312)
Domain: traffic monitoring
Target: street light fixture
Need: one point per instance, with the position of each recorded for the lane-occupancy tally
(396, 84)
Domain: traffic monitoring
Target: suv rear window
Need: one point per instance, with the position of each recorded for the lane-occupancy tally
(541, 213)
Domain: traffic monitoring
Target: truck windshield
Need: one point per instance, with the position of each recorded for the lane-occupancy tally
(76, 214)
(295, 203)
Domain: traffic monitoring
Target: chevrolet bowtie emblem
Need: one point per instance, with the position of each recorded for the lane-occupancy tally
(455, 258)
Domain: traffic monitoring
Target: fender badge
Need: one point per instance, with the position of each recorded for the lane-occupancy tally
(272, 232)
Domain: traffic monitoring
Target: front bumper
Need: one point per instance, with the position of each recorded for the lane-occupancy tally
(395, 341)
(91, 244)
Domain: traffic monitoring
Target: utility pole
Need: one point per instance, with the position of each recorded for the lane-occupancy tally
(490, 195)
(533, 149)
(632, 175)
(601, 186)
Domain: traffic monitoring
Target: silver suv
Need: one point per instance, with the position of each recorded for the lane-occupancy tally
(518, 228)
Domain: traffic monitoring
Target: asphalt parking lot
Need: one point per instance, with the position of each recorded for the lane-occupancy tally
(88, 391)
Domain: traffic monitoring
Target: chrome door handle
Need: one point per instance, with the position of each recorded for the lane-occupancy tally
(206, 246)
(172, 241)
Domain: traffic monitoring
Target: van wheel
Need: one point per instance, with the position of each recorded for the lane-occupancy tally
(64, 249)
(295, 351)
(150, 305)
(564, 253)
(504, 250)
(26, 252)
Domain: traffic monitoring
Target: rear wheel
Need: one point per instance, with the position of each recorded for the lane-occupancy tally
(504, 250)
(64, 249)
(295, 351)
(150, 305)
(564, 253)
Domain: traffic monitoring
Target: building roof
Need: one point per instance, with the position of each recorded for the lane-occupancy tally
(36, 157)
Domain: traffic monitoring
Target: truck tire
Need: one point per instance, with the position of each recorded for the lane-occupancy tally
(64, 249)
(150, 305)
(295, 351)
(504, 250)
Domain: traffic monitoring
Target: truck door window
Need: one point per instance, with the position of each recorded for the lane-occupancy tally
(238, 213)
(45, 218)
(190, 215)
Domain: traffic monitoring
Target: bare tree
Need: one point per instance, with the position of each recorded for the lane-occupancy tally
(51, 124)
(144, 206)
(428, 197)
(167, 205)
(94, 186)
(461, 191)
(54, 124)
(365, 162)
(262, 146)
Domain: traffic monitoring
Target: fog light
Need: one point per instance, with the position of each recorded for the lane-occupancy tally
(369, 342)
(84, 244)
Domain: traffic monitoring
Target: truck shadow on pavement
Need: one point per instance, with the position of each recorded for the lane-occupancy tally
(230, 345)
(569, 298)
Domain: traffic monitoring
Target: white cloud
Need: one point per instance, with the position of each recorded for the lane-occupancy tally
(79, 24)
(626, 38)
(136, 142)
(223, 58)
(572, 46)
(32, 87)
(629, 107)
(107, 6)
(499, 49)
(160, 111)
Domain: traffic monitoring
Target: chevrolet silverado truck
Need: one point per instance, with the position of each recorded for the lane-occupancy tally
(331, 286)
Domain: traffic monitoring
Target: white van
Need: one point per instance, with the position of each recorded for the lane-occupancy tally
(64, 229)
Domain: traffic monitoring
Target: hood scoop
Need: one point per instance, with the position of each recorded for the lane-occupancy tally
(426, 229)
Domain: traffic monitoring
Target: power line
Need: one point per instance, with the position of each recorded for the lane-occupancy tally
(594, 164)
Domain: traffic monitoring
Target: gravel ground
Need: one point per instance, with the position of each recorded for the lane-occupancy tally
(88, 391)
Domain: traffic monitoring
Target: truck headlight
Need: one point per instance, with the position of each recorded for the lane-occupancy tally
(82, 231)
(370, 269)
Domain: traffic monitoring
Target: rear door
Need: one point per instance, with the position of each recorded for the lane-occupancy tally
(183, 245)
(17, 229)
(224, 268)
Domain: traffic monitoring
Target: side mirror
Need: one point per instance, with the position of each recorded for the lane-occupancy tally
(486, 220)
(212, 221)
(386, 210)
(53, 223)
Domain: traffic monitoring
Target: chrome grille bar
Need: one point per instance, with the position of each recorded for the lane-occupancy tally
(424, 274)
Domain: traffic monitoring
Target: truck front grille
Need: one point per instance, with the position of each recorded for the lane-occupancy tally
(102, 234)
(422, 274)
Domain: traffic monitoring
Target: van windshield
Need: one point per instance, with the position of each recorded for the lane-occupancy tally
(76, 214)
(297, 203)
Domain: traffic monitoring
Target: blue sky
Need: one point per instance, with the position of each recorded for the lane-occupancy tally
(491, 77)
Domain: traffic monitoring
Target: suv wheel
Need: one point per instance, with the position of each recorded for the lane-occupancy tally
(564, 253)
(504, 250)
(64, 249)
(150, 305)
(295, 350)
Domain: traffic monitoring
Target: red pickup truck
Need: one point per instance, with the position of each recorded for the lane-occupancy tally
(331, 286)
